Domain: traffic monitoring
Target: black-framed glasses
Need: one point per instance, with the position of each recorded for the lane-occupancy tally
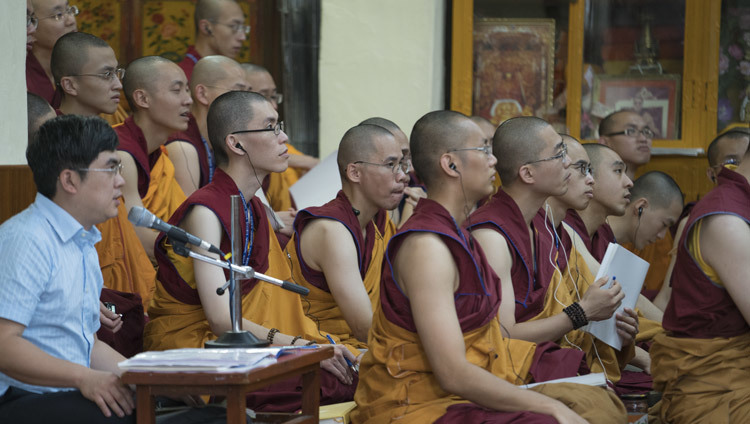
(584, 168)
(108, 75)
(633, 132)
(559, 155)
(59, 16)
(236, 27)
(31, 21)
(115, 169)
(277, 129)
(486, 149)
(395, 166)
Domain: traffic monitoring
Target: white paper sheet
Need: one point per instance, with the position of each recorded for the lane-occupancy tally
(630, 271)
(201, 360)
(593, 379)
(319, 185)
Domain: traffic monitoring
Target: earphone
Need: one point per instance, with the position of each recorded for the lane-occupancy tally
(452, 166)
(208, 30)
(640, 211)
(239, 146)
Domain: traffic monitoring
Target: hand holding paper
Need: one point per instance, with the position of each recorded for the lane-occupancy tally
(600, 302)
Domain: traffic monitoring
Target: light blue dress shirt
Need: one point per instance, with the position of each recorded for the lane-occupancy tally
(50, 282)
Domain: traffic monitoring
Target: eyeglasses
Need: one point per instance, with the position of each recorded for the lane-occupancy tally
(109, 75)
(277, 129)
(633, 132)
(276, 97)
(561, 155)
(236, 27)
(486, 149)
(402, 166)
(114, 169)
(31, 21)
(584, 168)
(59, 16)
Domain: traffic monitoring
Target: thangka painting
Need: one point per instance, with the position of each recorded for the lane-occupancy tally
(513, 67)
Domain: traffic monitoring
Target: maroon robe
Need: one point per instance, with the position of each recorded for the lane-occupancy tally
(285, 395)
(596, 244)
(477, 300)
(188, 62)
(338, 209)
(530, 277)
(38, 83)
(699, 308)
(133, 141)
(193, 136)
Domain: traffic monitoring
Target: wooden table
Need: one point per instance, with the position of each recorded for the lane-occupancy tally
(234, 386)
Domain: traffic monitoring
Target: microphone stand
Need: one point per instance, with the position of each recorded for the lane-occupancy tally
(236, 337)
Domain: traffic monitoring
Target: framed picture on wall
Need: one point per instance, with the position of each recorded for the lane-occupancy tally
(513, 67)
(655, 97)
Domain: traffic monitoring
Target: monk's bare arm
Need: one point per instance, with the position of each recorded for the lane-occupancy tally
(648, 309)
(202, 222)
(187, 168)
(132, 198)
(327, 246)
(597, 303)
(724, 243)
(662, 299)
(427, 273)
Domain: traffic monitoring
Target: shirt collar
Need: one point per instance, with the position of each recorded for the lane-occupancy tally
(66, 227)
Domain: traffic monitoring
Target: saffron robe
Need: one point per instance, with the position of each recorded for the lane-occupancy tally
(157, 186)
(370, 250)
(701, 362)
(39, 83)
(396, 380)
(530, 278)
(177, 319)
(189, 60)
(569, 283)
(193, 136)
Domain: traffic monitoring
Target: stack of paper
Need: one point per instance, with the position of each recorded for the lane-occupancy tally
(319, 185)
(629, 270)
(201, 360)
(593, 379)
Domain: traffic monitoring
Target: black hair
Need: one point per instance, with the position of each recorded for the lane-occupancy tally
(232, 111)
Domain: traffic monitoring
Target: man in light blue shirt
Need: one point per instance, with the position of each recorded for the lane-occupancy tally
(52, 367)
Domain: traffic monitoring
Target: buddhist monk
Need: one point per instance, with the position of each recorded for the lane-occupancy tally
(86, 71)
(219, 30)
(186, 311)
(626, 133)
(726, 149)
(55, 18)
(700, 362)
(276, 187)
(436, 350)
(190, 150)
(159, 96)
(413, 192)
(337, 249)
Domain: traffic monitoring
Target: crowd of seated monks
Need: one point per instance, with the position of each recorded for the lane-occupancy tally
(455, 266)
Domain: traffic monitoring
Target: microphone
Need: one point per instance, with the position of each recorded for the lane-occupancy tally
(142, 217)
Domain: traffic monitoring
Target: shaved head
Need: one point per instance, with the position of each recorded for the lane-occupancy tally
(252, 68)
(383, 123)
(211, 70)
(485, 124)
(597, 153)
(516, 143)
(208, 10)
(658, 188)
(359, 144)
(232, 111)
(141, 74)
(38, 111)
(71, 53)
(433, 135)
(713, 152)
(608, 124)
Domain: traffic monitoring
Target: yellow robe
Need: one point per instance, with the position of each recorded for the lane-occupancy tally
(321, 304)
(125, 265)
(164, 194)
(612, 360)
(174, 324)
(401, 385)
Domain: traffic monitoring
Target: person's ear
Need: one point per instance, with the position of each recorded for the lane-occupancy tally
(353, 173)
(141, 98)
(711, 175)
(526, 174)
(639, 206)
(204, 26)
(448, 165)
(69, 86)
(68, 181)
(200, 92)
(234, 146)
